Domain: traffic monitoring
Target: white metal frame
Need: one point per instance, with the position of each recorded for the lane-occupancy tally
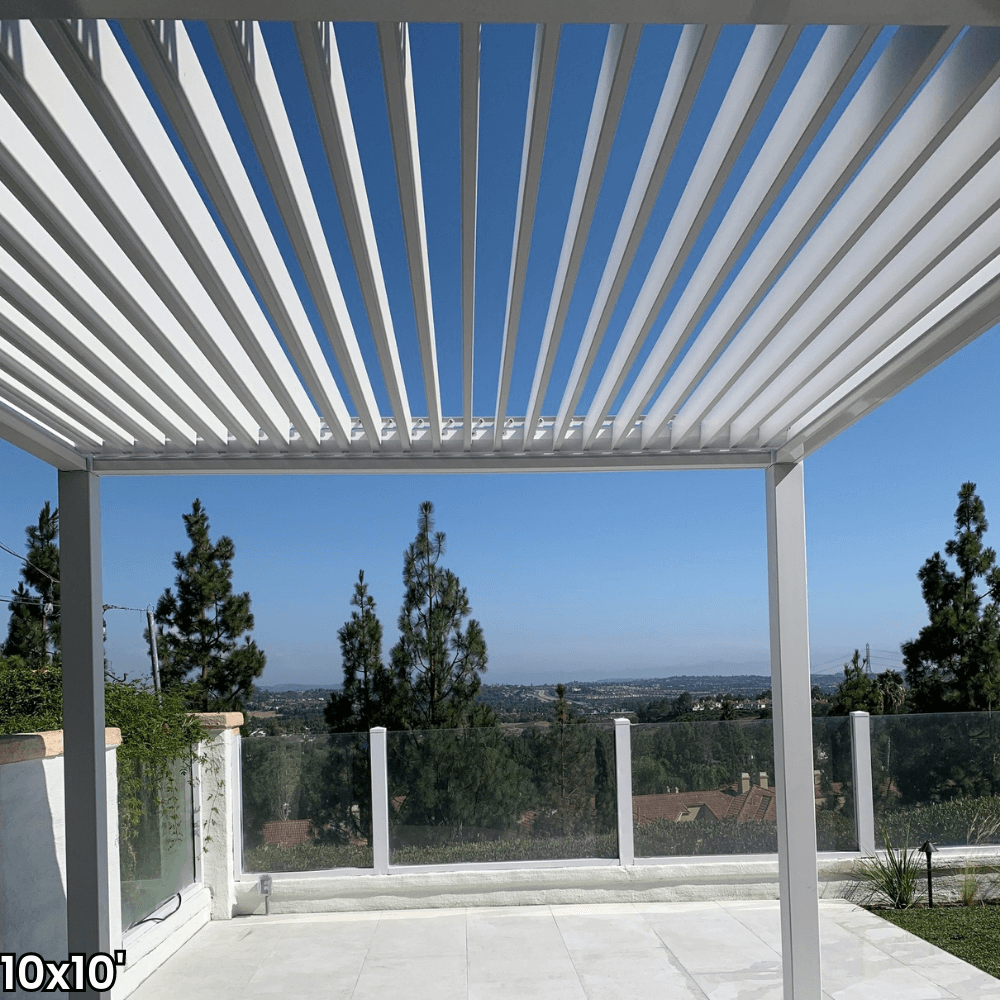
(196, 339)
(142, 334)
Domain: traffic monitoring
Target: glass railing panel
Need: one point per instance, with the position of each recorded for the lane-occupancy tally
(510, 793)
(701, 788)
(834, 783)
(937, 778)
(306, 802)
(156, 847)
(689, 793)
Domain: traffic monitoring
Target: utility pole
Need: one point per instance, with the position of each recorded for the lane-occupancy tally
(152, 651)
(47, 610)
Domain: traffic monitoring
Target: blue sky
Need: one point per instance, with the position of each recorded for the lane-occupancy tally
(572, 576)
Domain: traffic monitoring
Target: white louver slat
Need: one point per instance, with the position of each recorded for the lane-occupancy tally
(212, 237)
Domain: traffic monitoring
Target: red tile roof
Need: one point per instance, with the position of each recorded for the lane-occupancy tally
(756, 805)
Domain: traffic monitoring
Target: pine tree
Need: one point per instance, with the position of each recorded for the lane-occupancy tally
(954, 663)
(566, 779)
(440, 656)
(369, 695)
(200, 627)
(34, 627)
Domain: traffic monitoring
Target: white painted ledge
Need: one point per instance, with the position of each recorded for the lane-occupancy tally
(148, 945)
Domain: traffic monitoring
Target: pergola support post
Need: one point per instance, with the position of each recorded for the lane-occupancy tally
(793, 751)
(88, 911)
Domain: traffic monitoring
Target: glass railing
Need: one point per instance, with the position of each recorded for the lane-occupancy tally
(306, 802)
(704, 788)
(937, 778)
(548, 792)
(511, 793)
(156, 846)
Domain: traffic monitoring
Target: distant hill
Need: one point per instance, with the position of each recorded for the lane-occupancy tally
(297, 687)
(749, 684)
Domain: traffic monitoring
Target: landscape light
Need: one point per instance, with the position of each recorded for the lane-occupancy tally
(928, 848)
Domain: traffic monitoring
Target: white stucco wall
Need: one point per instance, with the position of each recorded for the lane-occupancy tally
(33, 845)
(669, 880)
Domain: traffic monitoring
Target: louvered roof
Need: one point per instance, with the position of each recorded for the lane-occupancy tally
(749, 285)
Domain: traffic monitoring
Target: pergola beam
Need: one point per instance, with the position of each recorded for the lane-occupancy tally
(25, 435)
(798, 12)
(45, 410)
(40, 380)
(427, 463)
(898, 367)
(926, 308)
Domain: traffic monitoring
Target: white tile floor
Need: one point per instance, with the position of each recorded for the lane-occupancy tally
(674, 951)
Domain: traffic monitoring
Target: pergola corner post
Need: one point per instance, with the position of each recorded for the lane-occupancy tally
(793, 749)
(88, 895)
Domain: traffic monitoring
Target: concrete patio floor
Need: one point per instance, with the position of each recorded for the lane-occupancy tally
(677, 951)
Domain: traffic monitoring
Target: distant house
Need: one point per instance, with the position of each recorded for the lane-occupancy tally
(741, 801)
(287, 832)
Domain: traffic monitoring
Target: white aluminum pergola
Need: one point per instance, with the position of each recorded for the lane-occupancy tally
(159, 314)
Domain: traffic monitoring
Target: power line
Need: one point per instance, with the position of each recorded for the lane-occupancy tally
(27, 563)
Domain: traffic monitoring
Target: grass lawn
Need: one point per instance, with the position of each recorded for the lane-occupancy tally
(972, 933)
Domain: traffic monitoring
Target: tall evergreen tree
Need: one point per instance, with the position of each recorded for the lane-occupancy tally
(566, 778)
(860, 691)
(954, 663)
(369, 695)
(34, 625)
(200, 627)
(440, 655)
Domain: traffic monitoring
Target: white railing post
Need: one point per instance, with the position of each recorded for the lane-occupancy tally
(380, 800)
(623, 774)
(864, 801)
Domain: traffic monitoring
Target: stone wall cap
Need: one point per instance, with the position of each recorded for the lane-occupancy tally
(219, 720)
(38, 746)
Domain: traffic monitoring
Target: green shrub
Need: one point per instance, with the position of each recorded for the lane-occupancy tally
(306, 857)
(953, 823)
(893, 876)
(158, 733)
(318, 856)
(30, 696)
(665, 838)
